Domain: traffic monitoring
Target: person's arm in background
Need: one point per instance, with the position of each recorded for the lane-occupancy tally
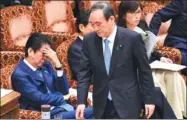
(59, 77)
(164, 14)
(28, 90)
(74, 60)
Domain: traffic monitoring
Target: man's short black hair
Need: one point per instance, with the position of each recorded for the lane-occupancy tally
(106, 7)
(35, 41)
(82, 19)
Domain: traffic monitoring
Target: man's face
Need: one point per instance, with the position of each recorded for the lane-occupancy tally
(37, 58)
(101, 26)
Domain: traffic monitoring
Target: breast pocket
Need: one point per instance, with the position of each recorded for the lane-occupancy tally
(123, 61)
(121, 65)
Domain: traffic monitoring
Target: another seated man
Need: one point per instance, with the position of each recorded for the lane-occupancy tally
(38, 83)
(74, 52)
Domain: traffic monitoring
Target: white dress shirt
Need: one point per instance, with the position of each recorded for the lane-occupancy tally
(111, 39)
(81, 37)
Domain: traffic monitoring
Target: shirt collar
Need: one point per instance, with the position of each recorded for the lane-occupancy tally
(139, 30)
(81, 37)
(27, 63)
(112, 36)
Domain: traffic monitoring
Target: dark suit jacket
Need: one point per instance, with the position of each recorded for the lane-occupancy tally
(74, 56)
(155, 55)
(128, 55)
(33, 88)
(177, 33)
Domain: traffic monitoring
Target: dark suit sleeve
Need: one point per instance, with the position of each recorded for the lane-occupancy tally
(165, 14)
(74, 60)
(145, 72)
(84, 74)
(155, 55)
(28, 90)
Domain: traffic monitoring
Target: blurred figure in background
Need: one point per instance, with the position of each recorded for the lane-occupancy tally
(177, 33)
(74, 52)
(6, 3)
(171, 83)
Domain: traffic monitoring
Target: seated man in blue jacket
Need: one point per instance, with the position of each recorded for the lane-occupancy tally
(38, 83)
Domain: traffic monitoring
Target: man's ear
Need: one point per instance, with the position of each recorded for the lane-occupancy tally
(30, 52)
(81, 27)
(112, 18)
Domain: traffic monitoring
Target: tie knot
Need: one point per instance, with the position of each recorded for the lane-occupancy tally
(106, 41)
(38, 70)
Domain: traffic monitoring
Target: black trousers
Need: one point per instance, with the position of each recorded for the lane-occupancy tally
(163, 109)
(110, 111)
(184, 71)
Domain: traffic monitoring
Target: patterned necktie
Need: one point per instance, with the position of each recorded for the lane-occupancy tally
(107, 58)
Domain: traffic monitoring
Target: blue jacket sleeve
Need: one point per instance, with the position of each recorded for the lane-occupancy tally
(28, 90)
(34, 91)
(61, 83)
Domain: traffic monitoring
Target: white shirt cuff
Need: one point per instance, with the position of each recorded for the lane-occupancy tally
(59, 73)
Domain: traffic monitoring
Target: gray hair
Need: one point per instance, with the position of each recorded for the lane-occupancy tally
(106, 7)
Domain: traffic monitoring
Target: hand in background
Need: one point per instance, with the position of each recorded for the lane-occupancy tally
(166, 60)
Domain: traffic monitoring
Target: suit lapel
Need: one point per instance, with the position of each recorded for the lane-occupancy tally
(100, 59)
(117, 50)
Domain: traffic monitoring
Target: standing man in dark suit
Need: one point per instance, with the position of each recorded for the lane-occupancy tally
(38, 83)
(113, 55)
(177, 33)
(74, 52)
